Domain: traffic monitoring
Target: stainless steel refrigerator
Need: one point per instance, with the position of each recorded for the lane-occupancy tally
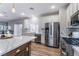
(52, 34)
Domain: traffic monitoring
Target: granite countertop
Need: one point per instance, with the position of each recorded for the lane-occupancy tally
(73, 42)
(69, 37)
(7, 45)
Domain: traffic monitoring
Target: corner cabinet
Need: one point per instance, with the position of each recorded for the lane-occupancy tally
(71, 9)
(69, 13)
(74, 7)
(78, 6)
(24, 50)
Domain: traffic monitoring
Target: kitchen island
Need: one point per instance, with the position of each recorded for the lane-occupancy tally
(16, 46)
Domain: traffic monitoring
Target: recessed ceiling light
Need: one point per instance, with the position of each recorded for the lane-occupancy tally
(31, 8)
(1, 14)
(22, 14)
(52, 7)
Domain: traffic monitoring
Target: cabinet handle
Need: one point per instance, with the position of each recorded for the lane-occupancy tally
(17, 51)
(26, 49)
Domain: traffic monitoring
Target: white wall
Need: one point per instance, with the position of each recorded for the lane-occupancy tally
(40, 21)
(46, 19)
(27, 23)
(32, 24)
(20, 21)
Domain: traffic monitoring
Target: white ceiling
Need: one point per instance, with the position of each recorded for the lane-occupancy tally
(39, 8)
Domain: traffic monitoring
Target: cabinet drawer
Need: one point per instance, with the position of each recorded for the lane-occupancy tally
(18, 51)
(12, 53)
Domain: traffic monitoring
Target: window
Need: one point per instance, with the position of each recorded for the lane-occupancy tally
(1, 27)
(17, 29)
(34, 28)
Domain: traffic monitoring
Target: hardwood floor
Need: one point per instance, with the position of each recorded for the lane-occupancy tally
(41, 50)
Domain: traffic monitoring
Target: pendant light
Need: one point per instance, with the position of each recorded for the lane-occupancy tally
(13, 8)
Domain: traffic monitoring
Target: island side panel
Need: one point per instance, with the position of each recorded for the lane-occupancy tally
(23, 50)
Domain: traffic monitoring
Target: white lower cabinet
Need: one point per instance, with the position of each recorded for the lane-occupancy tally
(76, 53)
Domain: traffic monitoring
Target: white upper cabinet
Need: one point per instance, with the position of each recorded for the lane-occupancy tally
(74, 8)
(78, 6)
(68, 16)
(70, 10)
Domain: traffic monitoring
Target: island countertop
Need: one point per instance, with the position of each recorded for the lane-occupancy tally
(7, 45)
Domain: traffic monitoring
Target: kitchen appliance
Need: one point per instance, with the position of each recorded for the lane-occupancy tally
(52, 34)
(74, 21)
(75, 18)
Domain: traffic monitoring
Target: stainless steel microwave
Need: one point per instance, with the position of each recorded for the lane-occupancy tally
(75, 18)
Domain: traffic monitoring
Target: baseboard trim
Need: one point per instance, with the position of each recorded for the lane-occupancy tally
(53, 47)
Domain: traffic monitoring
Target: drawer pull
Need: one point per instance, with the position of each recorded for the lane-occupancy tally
(26, 49)
(17, 51)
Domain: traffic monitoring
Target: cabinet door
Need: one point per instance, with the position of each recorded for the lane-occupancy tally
(71, 9)
(24, 52)
(38, 39)
(74, 7)
(68, 17)
(78, 5)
